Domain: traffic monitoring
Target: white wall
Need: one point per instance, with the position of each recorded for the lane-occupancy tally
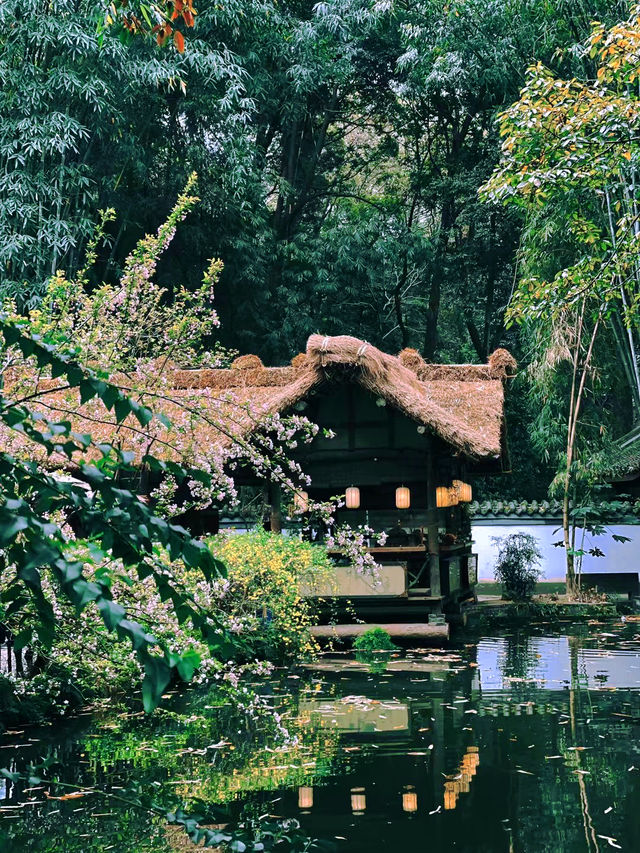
(619, 556)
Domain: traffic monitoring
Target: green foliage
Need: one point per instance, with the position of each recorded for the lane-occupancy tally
(517, 565)
(374, 640)
(230, 750)
(377, 228)
(114, 327)
(374, 648)
(340, 147)
(121, 526)
(89, 121)
(569, 161)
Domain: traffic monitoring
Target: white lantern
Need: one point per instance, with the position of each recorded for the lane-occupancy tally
(403, 497)
(446, 496)
(442, 496)
(352, 497)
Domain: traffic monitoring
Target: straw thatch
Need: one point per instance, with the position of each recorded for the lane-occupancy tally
(620, 462)
(462, 404)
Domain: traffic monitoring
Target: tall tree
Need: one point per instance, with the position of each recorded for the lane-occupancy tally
(570, 157)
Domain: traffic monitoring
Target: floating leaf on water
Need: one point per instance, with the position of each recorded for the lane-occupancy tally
(611, 841)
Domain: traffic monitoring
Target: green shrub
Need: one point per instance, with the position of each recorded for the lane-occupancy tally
(261, 594)
(374, 648)
(517, 566)
(258, 604)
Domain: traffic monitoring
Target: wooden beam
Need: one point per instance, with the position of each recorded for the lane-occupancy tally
(407, 630)
(275, 500)
(433, 545)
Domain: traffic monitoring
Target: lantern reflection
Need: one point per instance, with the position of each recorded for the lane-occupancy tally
(461, 782)
(450, 794)
(358, 801)
(409, 800)
(305, 797)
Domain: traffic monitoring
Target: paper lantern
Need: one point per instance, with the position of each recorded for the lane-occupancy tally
(305, 797)
(446, 496)
(403, 497)
(409, 801)
(463, 491)
(301, 501)
(352, 497)
(358, 801)
(442, 496)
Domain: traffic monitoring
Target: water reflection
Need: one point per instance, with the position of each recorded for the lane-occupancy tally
(521, 743)
(547, 661)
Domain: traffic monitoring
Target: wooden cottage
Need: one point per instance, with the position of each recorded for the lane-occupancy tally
(408, 438)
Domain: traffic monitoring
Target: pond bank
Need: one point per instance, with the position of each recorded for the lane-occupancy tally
(492, 612)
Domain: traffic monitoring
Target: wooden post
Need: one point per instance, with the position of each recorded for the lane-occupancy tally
(433, 546)
(275, 496)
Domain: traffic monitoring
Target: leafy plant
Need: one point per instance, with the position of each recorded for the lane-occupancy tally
(374, 647)
(34, 502)
(517, 565)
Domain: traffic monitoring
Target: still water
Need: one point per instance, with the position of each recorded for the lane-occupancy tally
(526, 741)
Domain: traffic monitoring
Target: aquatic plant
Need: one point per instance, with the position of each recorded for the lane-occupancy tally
(374, 647)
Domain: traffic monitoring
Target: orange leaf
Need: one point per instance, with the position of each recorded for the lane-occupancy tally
(627, 155)
(178, 40)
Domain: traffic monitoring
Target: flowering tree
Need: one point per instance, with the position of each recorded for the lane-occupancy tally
(138, 334)
(570, 160)
(123, 529)
(133, 338)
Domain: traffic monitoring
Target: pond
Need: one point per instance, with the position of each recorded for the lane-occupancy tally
(523, 741)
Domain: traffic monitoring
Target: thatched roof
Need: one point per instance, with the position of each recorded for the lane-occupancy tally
(462, 404)
(620, 462)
